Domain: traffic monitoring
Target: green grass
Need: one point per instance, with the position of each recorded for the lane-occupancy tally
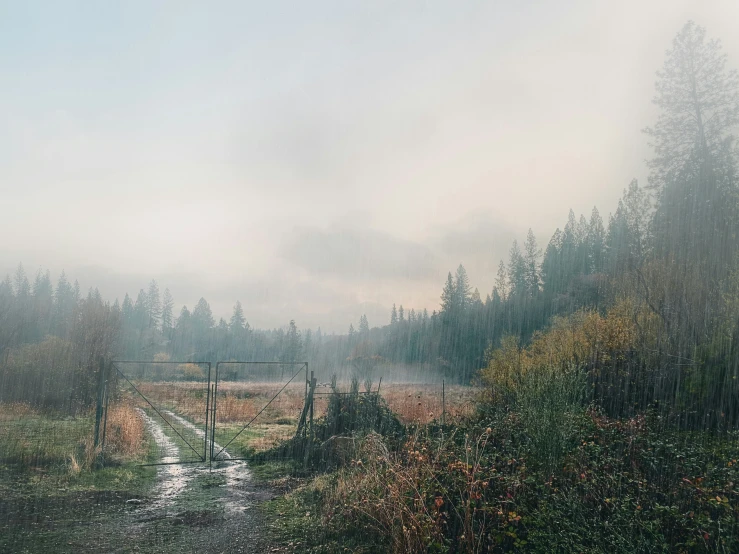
(264, 472)
(43, 441)
(242, 445)
(51, 509)
(295, 521)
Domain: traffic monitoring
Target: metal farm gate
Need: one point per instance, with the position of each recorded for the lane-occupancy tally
(194, 414)
(254, 388)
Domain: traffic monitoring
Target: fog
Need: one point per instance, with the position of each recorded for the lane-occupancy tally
(320, 161)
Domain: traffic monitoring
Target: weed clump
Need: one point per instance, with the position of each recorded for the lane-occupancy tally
(618, 486)
(331, 439)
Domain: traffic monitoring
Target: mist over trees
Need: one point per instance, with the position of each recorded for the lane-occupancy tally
(666, 257)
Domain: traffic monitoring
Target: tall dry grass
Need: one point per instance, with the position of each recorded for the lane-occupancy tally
(422, 404)
(398, 494)
(239, 402)
(126, 431)
(16, 410)
(84, 458)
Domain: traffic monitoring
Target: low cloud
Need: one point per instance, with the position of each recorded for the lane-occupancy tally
(360, 255)
(479, 242)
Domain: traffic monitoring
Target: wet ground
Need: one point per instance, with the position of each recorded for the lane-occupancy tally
(190, 508)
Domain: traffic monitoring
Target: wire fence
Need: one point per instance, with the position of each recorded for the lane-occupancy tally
(171, 412)
(171, 400)
(257, 405)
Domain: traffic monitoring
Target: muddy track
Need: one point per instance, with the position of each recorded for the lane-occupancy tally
(172, 508)
(192, 508)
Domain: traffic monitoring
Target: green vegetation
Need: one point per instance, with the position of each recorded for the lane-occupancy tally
(608, 416)
(544, 474)
(608, 371)
(49, 501)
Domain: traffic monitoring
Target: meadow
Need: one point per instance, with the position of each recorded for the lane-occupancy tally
(273, 417)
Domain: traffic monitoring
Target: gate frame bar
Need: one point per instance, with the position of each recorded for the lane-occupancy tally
(203, 458)
(303, 365)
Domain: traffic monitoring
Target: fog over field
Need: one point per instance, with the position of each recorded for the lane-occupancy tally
(372, 277)
(317, 161)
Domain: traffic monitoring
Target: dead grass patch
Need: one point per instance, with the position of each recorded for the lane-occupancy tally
(126, 431)
(423, 403)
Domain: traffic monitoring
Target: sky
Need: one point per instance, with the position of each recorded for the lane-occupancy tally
(318, 160)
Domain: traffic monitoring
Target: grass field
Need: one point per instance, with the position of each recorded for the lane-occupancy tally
(56, 488)
(275, 417)
(51, 487)
(32, 439)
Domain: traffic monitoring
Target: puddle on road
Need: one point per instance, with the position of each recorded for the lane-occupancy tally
(236, 472)
(172, 478)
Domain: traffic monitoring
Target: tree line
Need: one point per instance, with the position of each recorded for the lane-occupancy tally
(671, 246)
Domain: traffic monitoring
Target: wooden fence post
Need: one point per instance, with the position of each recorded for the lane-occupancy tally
(309, 406)
(101, 394)
(443, 403)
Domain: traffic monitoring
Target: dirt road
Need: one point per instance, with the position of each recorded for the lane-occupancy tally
(190, 509)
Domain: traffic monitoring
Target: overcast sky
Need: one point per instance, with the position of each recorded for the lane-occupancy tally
(318, 160)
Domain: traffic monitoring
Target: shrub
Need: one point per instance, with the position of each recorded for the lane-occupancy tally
(352, 412)
(627, 486)
(549, 405)
(619, 351)
(48, 376)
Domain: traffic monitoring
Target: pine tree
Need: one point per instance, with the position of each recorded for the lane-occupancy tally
(462, 288)
(63, 306)
(292, 345)
(237, 319)
(401, 317)
(167, 307)
(699, 101)
(568, 250)
(693, 171)
(531, 259)
(551, 265)
(393, 316)
(202, 315)
(127, 308)
(43, 305)
(141, 311)
(517, 282)
(582, 254)
(364, 326)
(154, 305)
(184, 320)
(448, 295)
(501, 281)
(618, 242)
(596, 242)
(638, 206)
(22, 286)
(308, 344)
